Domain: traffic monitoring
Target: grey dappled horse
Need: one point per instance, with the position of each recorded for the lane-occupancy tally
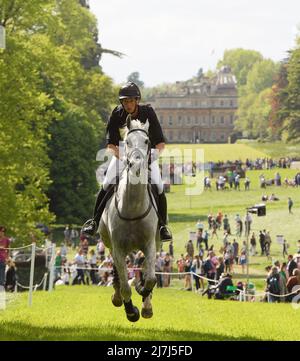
(130, 223)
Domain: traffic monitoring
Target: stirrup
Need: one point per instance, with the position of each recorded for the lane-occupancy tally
(167, 235)
(89, 228)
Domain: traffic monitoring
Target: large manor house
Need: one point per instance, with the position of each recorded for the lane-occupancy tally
(202, 111)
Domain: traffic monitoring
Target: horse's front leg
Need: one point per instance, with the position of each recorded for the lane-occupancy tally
(132, 312)
(116, 297)
(149, 280)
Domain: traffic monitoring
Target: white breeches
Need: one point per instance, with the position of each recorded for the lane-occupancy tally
(116, 166)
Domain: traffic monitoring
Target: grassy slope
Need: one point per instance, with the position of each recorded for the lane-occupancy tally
(86, 313)
(184, 211)
(217, 152)
(276, 149)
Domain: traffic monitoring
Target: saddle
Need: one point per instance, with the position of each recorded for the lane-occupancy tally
(152, 191)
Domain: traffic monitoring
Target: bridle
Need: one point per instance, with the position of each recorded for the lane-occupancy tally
(128, 166)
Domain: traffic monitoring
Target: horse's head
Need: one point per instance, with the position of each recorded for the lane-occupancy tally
(137, 146)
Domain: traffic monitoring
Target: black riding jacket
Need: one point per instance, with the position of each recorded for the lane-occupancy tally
(117, 124)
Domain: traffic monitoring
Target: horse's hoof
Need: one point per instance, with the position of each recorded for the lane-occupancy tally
(147, 312)
(117, 302)
(134, 316)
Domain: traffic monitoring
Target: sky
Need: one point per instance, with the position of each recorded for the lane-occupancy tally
(170, 40)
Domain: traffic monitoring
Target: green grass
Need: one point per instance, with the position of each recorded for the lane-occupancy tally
(184, 211)
(217, 152)
(86, 313)
(275, 150)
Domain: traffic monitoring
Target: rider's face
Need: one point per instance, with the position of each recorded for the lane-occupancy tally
(130, 104)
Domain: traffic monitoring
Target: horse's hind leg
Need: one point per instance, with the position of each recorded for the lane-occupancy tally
(116, 298)
(132, 312)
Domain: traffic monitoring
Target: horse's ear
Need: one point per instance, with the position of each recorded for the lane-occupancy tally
(128, 121)
(146, 125)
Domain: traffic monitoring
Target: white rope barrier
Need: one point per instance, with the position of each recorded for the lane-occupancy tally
(16, 247)
(35, 286)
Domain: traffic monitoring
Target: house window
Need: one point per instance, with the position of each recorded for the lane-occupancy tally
(188, 120)
(231, 119)
(222, 119)
(161, 120)
(170, 120)
(222, 103)
(213, 119)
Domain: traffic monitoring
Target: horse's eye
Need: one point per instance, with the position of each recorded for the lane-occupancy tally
(146, 141)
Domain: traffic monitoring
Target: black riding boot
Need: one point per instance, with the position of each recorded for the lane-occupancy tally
(90, 227)
(165, 233)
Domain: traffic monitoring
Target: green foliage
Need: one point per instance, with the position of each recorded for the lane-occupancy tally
(50, 82)
(291, 126)
(255, 99)
(241, 62)
(135, 77)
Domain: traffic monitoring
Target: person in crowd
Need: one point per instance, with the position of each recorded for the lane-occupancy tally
(180, 265)
(253, 245)
(197, 270)
(159, 263)
(100, 249)
(225, 223)
(247, 184)
(285, 247)
(290, 205)
(268, 242)
(235, 246)
(93, 265)
(74, 236)
(84, 245)
(220, 268)
(291, 265)
(248, 222)
(63, 251)
(283, 281)
(167, 267)
(11, 277)
(291, 284)
(243, 260)
(238, 225)
(187, 270)
(273, 284)
(190, 248)
(171, 249)
(79, 261)
(262, 242)
(58, 264)
(4, 244)
(222, 291)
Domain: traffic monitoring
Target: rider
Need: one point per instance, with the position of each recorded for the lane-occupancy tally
(129, 96)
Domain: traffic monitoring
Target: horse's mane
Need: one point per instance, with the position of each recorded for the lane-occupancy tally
(136, 124)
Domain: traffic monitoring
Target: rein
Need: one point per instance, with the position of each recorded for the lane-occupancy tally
(145, 214)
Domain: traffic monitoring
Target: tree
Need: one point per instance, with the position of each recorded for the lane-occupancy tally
(54, 100)
(135, 77)
(241, 62)
(291, 107)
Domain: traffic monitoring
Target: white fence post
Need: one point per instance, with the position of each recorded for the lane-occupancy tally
(31, 273)
(45, 281)
(52, 266)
